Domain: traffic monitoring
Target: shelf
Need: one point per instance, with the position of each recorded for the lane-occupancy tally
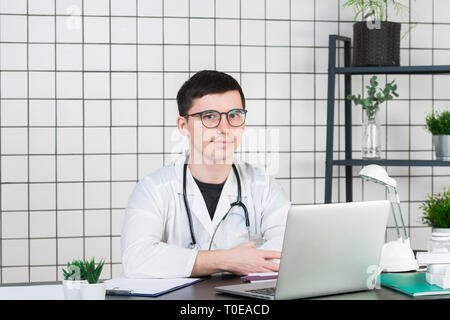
(392, 162)
(347, 70)
(395, 70)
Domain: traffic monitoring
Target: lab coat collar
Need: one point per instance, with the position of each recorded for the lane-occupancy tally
(198, 206)
(229, 188)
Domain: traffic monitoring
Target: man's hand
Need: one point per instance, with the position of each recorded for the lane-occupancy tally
(241, 260)
(245, 259)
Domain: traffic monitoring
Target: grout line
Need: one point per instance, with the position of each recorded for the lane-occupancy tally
(409, 131)
(432, 87)
(265, 84)
(110, 125)
(56, 152)
(315, 106)
(28, 147)
(163, 82)
(290, 109)
(1, 186)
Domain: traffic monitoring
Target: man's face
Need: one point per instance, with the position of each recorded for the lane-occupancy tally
(213, 145)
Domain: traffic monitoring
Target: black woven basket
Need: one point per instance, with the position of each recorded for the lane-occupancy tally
(376, 46)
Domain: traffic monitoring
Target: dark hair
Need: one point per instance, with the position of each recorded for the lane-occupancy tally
(203, 83)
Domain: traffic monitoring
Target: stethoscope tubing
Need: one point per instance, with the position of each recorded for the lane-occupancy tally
(238, 203)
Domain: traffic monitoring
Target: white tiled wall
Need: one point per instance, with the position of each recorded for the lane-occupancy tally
(87, 97)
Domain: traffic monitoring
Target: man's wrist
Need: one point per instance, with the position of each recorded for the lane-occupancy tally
(220, 259)
(209, 262)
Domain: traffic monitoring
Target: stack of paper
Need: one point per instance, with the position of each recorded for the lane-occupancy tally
(32, 292)
(433, 257)
(438, 267)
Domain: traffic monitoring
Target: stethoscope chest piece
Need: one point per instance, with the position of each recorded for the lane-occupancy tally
(193, 246)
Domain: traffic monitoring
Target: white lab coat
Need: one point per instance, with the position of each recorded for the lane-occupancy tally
(155, 234)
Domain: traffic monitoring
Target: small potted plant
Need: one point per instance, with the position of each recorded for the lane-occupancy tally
(370, 140)
(376, 41)
(439, 126)
(436, 211)
(73, 278)
(93, 289)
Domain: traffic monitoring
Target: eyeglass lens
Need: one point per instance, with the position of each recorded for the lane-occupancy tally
(235, 117)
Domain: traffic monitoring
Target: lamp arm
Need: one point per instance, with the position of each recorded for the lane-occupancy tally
(393, 212)
(397, 198)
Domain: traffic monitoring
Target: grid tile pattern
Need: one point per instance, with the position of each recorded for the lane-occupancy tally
(87, 98)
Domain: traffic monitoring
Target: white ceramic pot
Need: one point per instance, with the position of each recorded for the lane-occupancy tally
(72, 289)
(93, 291)
(441, 230)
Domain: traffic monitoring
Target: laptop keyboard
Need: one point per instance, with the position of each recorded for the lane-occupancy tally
(264, 291)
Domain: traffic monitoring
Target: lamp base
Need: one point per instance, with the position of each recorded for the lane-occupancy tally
(397, 256)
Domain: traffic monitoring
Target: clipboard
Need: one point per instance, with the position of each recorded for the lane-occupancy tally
(122, 286)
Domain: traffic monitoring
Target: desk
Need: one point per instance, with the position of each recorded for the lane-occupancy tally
(204, 290)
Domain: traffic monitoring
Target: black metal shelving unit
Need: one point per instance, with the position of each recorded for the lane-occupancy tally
(348, 71)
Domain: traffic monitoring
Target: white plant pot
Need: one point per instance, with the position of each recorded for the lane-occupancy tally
(72, 289)
(441, 230)
(93, 291)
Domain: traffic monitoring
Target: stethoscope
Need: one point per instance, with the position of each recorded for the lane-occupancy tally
(238, 202)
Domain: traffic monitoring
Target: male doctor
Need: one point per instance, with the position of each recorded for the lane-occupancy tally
(180, 220)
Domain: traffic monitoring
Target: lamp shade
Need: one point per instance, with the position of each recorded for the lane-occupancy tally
(377, 174)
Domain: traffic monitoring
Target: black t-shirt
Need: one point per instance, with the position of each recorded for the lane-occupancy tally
(211, 193)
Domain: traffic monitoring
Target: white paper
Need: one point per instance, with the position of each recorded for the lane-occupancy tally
(27, 292)
(147, 286)
(56, 292)
(264, 274)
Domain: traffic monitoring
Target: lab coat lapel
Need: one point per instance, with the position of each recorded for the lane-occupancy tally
(195, 199)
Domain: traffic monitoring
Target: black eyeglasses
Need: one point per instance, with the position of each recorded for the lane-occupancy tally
(212, 118)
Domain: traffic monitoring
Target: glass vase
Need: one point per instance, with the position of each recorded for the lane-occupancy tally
(371, 138)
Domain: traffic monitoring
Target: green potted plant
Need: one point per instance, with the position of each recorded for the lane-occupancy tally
(93, 289)
(439, 126)
(73, 278)
(436, 211)
(370, 139)
(376, 41)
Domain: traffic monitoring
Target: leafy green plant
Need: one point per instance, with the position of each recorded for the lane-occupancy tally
(438, 123)
(436, 210)
(372, 103)
(374, 9)
(92, 272)
(74, 271)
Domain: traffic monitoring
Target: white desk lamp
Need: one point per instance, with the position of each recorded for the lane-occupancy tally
(396, 256)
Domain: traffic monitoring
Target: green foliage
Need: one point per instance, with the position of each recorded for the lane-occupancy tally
(436, 210)
(74, 271)
(374, 9)
(372, 103)
(438, 123)
(92, 272)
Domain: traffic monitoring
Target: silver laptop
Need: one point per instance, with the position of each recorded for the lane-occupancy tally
(327, 249)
